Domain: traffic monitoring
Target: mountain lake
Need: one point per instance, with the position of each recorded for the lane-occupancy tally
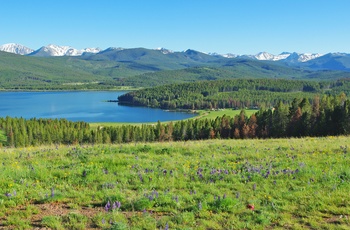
(88, 106)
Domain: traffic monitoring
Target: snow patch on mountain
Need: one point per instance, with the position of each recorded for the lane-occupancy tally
(56, 51)
(308, 56)
(164, 50)
(264, 56)
(16, 49)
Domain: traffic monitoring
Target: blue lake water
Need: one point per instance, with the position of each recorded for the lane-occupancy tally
(85, 106)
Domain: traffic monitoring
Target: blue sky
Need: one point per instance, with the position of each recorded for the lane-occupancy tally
(222, 26)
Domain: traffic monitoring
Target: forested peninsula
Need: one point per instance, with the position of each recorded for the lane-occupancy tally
(233, 93)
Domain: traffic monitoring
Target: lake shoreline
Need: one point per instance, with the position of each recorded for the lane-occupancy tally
(88, 106)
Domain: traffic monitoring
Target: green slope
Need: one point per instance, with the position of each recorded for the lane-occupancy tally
(141, 68)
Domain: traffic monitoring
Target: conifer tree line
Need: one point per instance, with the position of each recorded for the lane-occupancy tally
(233, 93)
(326, 115)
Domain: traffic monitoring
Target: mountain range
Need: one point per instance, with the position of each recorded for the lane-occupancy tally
(46, 51)
(55, 50)
(316, 61)
(57, 67)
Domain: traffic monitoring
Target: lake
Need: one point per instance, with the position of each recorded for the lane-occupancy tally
(85, 106)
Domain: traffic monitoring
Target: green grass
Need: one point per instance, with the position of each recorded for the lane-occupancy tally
(292, 184)
(202, 114)
(207, 114)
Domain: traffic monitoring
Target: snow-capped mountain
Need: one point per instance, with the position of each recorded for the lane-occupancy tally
(293, 57)
(16, 49)
(308, 56)
(164, 51)
(264, 56)
(55, 50)
(229, 55)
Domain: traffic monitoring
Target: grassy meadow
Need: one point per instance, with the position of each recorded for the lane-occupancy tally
(215, 184)
(201, 114)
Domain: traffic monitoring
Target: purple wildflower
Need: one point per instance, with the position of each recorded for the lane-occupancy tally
(200, 205)
(107, 206)
(166, 226)
(237, 195)
(52, 192)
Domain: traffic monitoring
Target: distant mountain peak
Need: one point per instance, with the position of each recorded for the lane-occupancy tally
(15, 48)
(56, 50)
(164, 50)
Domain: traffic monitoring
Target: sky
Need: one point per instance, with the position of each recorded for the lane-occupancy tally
(221, 26)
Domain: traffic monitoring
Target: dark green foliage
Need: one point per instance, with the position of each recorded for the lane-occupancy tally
(234, 93)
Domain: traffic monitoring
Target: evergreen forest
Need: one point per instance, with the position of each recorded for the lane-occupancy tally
(325, 115)
(233, 93)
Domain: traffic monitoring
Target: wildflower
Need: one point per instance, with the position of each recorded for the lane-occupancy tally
(52, 192)
(200, 205)
(251, 207)
(155, 193)
(8, 194)
(107, 206)
(166, 226)
(254, 186)
(237, 195)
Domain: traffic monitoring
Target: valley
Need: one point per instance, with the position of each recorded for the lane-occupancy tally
(268, 149)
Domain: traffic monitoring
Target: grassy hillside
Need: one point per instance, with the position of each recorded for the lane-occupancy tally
(231, 70)
(240, 184)
(141, 68)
